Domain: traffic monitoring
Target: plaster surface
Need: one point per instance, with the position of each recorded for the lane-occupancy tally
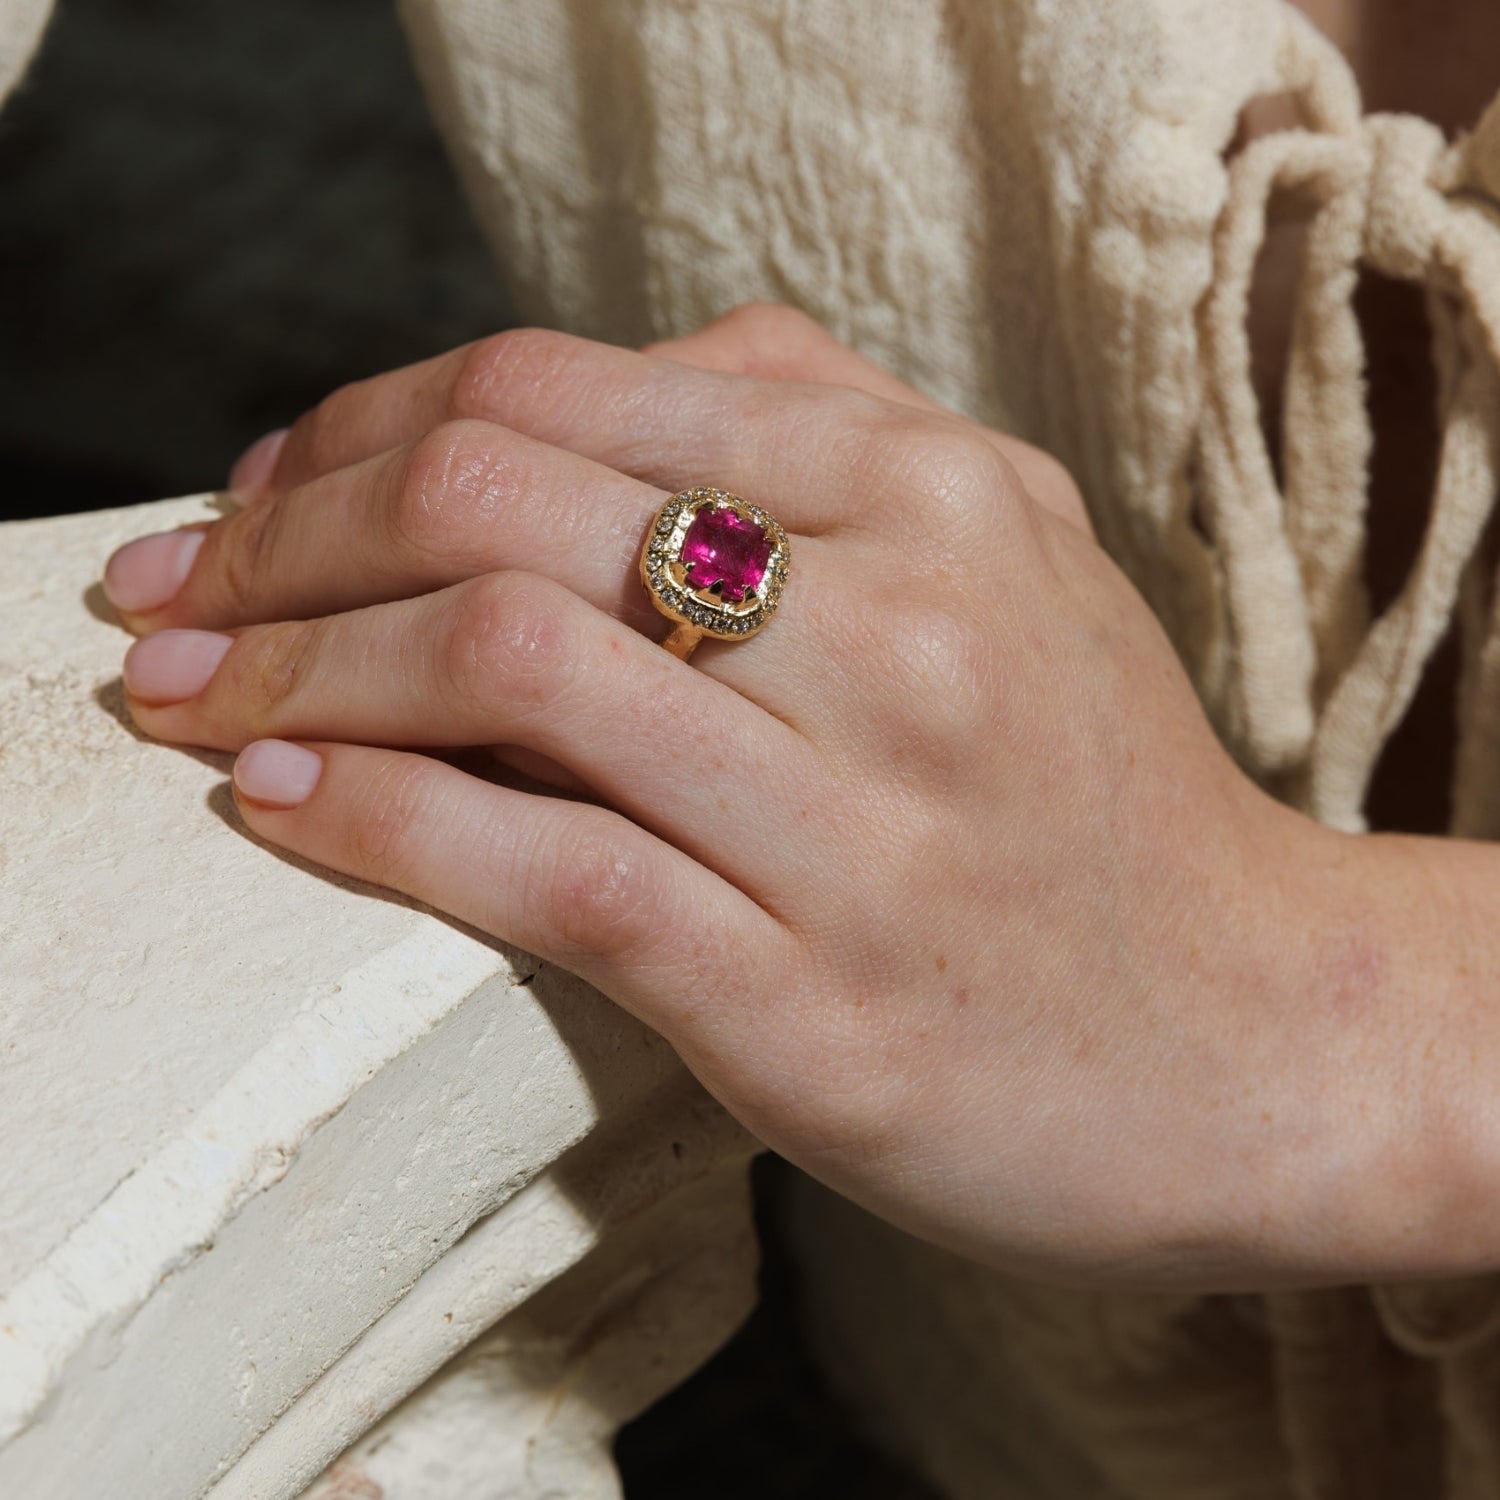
(279, 1145)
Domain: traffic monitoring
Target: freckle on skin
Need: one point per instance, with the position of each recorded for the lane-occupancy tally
(960, 997)
(942, 963)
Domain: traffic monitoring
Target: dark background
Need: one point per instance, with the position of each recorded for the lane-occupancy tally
(211, 214)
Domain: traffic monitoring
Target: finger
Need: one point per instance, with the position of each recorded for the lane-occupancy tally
(629, 411)
(508, 658)
(467, 500)
(362, 419)
(574, 883)
(464, 499)
(785, 445)
(769, 341)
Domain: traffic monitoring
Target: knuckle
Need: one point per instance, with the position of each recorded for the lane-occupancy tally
(763, 323)
(601, 899)
(528, 357)
(1048, 475)
(242, 547)
(317, 433)
(775, 418)
(944, 678)
(751, 338)
(267, 664)
(430, 509)
(510, 640)
(946, 477)
(393, 803)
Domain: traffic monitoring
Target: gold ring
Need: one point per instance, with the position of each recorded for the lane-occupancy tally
(715, 564)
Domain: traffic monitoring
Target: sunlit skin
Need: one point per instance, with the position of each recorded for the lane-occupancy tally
(941, 882)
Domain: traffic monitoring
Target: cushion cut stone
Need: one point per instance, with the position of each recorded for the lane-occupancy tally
(721, 546)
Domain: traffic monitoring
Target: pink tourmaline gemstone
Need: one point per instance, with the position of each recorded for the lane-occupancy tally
(721, 545)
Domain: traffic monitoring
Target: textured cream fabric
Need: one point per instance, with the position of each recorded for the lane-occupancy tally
(1023, 207)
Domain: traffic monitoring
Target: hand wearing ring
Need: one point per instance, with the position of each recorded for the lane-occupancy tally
(938, 879)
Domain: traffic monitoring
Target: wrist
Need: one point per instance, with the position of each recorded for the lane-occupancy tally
(1381, 978)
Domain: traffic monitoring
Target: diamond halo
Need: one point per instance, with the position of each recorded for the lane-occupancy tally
(732, 580)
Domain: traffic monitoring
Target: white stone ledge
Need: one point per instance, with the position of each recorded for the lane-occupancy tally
(278, 1144)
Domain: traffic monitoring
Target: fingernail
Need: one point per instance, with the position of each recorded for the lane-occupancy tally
(277, 772)
(174, 665)
(256, 464)
(145, 574)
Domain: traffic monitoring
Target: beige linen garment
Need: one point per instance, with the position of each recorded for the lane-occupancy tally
(1022, 206)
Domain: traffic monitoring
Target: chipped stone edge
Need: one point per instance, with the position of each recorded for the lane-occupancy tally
(239, 1143)
(551, 1225)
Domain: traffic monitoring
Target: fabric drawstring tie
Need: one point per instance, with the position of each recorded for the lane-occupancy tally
(1317, 686)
